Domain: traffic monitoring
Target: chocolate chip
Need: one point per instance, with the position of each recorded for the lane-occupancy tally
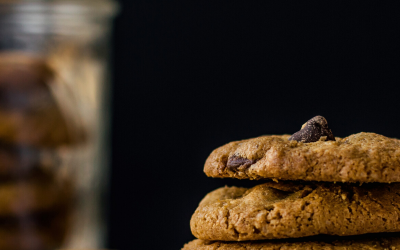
(313, 130)
(234, 162)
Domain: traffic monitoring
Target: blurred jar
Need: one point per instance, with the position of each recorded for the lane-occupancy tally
(53, 123)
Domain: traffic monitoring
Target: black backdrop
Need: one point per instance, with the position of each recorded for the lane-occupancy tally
(190, 76)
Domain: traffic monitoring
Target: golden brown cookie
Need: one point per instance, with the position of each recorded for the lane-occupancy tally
(291, 210)
(362, 157)
(35, 232)
(367, 242)
(19, 162)
(38, 193)
(29, 112)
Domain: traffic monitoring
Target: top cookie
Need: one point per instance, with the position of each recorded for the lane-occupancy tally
(30, 112)
(362, 157)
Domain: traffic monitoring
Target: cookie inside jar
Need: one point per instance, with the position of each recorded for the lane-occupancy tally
(36, 132)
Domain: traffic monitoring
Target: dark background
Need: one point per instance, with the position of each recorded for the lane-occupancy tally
(190, 76)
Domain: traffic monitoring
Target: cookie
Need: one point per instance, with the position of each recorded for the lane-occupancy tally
(362, 157)
(292, 209)
(29, 112)
(36, 232)
(19, 162)
(39, 193)
(377, 242)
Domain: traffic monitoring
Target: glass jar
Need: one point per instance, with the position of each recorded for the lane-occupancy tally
(53, 123)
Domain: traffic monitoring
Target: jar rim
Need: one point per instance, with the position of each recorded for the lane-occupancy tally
(106, 8)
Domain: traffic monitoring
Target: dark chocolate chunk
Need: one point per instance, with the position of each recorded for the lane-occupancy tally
(235, 162)
(313, 130)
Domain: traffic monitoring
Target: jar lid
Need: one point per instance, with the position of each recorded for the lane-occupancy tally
(100, 7)
(84, 20)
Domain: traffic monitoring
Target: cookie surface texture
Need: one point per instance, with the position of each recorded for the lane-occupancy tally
(292, 210)
(362, 157)
(379, 242)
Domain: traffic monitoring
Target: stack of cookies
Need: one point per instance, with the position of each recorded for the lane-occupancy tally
(320, 192)
(35, 199)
